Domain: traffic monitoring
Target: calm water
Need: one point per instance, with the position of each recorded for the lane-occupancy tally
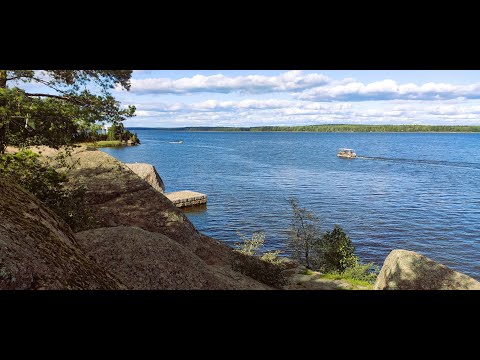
(417, 192)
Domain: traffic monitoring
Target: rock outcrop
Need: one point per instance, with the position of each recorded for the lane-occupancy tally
(117, 196)
(39, 251)
(148, 173)
(144, 260)
(407, 270)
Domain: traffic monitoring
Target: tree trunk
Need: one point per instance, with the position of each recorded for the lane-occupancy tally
(307, 253)
(3, 79)
(3, 122)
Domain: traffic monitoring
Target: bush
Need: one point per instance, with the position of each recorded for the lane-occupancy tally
(49, 185)
(335, 251)
(266, 268)
(250, 246)
(272, 257)
(363, 272)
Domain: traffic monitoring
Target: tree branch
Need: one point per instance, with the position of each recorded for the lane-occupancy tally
(50, 96)
(70, 99)
(15, 78)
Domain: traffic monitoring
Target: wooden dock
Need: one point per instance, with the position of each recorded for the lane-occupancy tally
(186, 198)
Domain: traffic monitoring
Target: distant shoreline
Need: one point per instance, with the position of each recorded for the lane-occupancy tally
(343, 128)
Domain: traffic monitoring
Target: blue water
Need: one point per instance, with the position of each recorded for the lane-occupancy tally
(418, 191)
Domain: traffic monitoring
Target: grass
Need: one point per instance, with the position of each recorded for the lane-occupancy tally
(307, 272)
(112, 143)
(339, 276)
(355, 282)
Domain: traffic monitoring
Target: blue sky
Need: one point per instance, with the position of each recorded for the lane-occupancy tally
(169, 98)
(287, 97)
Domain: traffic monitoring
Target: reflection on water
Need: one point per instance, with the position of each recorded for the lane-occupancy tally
(412, 191)
(422, 161)
(195, 209)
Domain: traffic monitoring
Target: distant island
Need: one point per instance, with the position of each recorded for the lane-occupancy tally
(331, 128)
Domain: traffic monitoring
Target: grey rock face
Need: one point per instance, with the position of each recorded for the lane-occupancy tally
(117, 196)
(407, 270)
(148, 173)
(39, 251)
(144, 260)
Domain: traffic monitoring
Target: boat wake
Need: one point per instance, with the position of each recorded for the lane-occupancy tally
(163, 141)
(426, 162)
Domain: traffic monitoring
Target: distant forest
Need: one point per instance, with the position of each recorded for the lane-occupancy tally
(335, 128)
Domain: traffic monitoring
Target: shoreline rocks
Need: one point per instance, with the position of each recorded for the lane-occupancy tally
(408, 270)
(148, 173)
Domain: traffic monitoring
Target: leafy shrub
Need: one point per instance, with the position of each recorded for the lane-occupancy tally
(250, 246)
(266, 268)
(335, 251)
(363, 272)
(49, 185)
(272, 257)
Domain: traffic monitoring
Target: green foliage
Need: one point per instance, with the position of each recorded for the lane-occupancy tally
(335, 251)
(272, 257)
(118, 132)
(351, 281)
(90, 133)
(26, 169)
(250, 246)
(135, 139)
(115, 132)
(266, 268)
(71, 100)
(370, 128)
(343, 128)
(357, 274)
(332, 252)
(304, 233)
(362, 272)
(113, 143)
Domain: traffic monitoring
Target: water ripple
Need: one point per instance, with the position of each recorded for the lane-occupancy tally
(412, 191)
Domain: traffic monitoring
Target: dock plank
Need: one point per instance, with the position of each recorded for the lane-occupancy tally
(186, 198)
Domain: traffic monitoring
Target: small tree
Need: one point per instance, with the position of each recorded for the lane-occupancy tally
(115, 132)
(304, 234)
(134, 138)
(335, 251)
(250, 246)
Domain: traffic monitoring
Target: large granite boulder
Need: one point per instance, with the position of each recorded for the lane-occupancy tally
(407, 270)
(144, 260)
(117, 196)
(39, 251)
(148, 173)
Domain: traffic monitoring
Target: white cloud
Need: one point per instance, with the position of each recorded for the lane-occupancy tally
(389, 90)
(255, 112)
(289, 81)
(309, 87)
(248, 104)
(297, 98)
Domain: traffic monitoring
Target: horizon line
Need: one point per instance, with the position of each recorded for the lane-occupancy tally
(270, 126)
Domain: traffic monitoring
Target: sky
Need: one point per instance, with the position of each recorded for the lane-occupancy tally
(167, 98)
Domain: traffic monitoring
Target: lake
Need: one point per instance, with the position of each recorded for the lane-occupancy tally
(413, 191)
